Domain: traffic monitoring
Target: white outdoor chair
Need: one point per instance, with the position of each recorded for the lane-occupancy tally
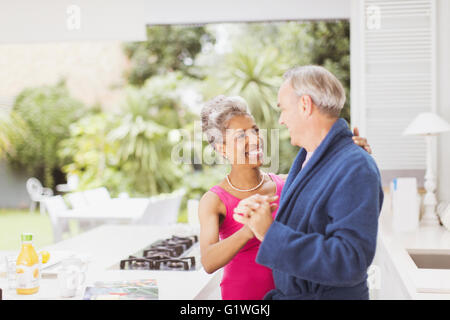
(76, 200)
(163, 209)
(55, 206)
(37, 193)
(96, 196)
(71, 185)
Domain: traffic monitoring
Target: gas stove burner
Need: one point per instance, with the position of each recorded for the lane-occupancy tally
(157, 256)
(193, 238)
(133, 263)
(180, 244)
(140, 265)
(185, 263)
(164, 254)
(175, 264)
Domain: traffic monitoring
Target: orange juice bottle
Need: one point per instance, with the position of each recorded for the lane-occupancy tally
(27, 267)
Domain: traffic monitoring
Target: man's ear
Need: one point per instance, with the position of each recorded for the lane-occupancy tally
(306, 104)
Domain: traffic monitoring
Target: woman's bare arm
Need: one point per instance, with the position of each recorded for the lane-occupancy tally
(216, 254)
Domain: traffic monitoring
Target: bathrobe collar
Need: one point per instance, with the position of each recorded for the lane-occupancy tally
(298, 177)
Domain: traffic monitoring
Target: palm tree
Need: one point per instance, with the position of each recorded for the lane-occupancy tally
(256, 77)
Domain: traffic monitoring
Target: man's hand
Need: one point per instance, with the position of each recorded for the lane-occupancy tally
(256, 213)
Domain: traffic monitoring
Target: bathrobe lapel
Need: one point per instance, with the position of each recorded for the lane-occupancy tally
(298, 177)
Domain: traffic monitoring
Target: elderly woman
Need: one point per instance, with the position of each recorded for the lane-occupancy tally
(233, 133)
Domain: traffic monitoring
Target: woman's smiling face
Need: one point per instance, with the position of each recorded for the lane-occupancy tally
(242, 144)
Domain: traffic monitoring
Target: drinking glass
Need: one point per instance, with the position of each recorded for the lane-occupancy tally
(10, 264)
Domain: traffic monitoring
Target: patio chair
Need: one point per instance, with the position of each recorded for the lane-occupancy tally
(76, 200)
(163, 209)
(95, 196)
(55, 206)
(71, 185)
(37, 193)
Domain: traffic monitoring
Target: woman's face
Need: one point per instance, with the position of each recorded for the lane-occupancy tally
(242, 144)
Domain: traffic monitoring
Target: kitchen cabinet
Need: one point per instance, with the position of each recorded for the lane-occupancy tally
(388, 284)
(397, 277)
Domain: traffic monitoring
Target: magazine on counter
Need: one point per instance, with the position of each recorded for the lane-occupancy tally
(122, 290)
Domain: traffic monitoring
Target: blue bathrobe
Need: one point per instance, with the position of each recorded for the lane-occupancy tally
(323, 238)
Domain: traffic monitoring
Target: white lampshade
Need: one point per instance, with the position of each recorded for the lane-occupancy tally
(427, 123)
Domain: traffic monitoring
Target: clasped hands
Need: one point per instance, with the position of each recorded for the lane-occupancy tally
(255, 213)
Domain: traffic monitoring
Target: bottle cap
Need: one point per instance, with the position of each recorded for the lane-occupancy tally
(27, 237)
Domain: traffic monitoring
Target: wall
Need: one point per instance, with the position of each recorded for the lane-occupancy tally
(443, 92)
(91, 69)
(13, 193)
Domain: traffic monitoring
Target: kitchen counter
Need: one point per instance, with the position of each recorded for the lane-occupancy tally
(108, 244)
(399, 277)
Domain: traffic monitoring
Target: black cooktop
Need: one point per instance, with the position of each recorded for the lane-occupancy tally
(174, 254)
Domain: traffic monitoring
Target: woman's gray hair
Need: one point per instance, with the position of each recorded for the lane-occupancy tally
(216, 114)
(325, 90)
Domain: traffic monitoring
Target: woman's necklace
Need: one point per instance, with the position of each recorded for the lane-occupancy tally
(248, 190)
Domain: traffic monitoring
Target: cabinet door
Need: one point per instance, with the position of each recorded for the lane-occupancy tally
(383, 279)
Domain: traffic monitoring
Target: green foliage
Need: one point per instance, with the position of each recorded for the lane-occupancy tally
(130, 151)
(31, 133)
(255, 76)
(325, 43)
(168, 48)
(331, 49)
(92, 157)
(198, 182)
(262, 52)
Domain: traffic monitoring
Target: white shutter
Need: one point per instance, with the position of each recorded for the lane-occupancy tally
(397, 77)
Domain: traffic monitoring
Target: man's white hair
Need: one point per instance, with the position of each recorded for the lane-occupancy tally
(325, 90)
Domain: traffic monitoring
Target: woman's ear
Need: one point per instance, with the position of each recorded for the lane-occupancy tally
(220, 148)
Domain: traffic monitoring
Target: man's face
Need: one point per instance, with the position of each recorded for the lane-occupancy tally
(291, 114)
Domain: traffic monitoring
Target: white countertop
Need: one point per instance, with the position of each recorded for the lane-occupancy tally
(420, 283)
(108, 244)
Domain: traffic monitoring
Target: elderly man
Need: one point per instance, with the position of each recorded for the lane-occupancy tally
(324, 235)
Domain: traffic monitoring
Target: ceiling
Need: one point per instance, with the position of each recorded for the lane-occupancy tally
(24, 21)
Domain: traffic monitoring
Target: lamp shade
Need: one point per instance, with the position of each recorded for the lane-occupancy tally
(427, 123)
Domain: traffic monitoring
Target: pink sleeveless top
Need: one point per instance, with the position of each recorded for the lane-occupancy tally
(243, 278)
